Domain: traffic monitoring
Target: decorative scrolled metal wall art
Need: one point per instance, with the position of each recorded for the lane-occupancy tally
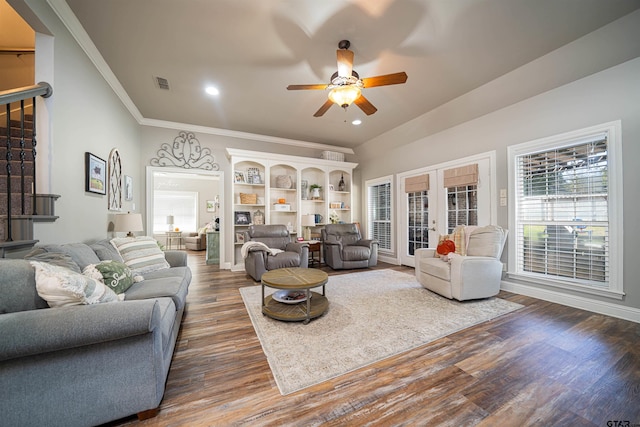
(185, 152)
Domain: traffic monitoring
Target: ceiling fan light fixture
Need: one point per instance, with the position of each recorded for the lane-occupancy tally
(344, 95)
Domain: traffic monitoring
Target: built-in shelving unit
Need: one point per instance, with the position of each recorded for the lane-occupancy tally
(282, 191)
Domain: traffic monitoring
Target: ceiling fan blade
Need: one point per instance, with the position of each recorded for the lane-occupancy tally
(307, 87)
(365, 105)
(345, 62)
(324, 108)
(387, 79)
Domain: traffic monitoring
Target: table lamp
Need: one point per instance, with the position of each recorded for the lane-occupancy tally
(308, 221)
(128, 222)
(170, 222)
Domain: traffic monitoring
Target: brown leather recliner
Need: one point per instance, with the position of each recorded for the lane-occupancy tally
(345, 248)
(274, 249)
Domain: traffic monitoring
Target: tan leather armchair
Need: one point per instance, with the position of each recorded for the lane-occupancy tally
(195, 241)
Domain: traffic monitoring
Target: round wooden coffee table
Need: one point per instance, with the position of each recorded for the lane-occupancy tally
(292, 279)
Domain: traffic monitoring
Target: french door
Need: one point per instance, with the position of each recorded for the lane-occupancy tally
(428, 212)
(419, 222)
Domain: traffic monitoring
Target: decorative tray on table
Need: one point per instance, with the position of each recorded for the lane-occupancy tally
(289, 296)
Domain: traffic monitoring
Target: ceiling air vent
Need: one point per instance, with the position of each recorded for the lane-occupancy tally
(162, 83)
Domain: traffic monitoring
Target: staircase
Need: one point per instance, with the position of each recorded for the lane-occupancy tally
(20, 205)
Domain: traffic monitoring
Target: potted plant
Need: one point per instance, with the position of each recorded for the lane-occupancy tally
(315, 191)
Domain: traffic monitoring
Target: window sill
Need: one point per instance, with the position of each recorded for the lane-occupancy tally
(584, 289)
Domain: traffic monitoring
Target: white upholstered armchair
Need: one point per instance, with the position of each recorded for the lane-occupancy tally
(473, 273)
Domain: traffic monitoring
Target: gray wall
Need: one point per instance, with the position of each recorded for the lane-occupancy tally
(85, 115)
(605, 96)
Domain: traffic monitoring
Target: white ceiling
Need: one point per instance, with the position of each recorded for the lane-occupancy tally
(253, 49)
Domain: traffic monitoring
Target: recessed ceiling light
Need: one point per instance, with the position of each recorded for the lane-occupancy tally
(356, 122)
(212, 90)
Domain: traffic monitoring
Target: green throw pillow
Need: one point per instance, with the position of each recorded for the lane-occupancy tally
(116, 275)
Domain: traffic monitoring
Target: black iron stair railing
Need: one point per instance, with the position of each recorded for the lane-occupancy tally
(7, 98)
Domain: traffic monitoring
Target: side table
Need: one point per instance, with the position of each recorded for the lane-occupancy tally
(314, 246)
(174, 237)
(303, 279)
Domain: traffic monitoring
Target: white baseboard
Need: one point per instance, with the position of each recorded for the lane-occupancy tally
(601, 307)
(237, 267)
(388, 259)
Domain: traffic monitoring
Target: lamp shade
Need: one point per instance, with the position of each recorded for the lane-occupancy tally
(128, 222)
(170, 219)
(308, 220)
(344, 95)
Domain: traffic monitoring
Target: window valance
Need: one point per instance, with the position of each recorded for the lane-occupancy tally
(464, 175)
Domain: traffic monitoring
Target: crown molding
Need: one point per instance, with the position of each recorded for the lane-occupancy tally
(243, 135)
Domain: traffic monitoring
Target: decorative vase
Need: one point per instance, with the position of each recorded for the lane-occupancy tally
(315, 193)
(284, 181)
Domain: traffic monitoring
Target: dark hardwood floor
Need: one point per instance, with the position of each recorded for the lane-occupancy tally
(544, 365)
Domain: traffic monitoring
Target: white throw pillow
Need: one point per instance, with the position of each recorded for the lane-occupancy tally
(61, 287)
(141, 254)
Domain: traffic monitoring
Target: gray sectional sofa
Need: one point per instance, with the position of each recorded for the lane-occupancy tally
(85, 365)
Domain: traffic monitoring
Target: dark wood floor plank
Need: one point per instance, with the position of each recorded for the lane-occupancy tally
(544, 364)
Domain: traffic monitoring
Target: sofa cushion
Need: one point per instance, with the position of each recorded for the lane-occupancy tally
(18, 287)
(174, 286)
(486, 241)
(141, 254)
(81, 253)
(116, 275)
(105, 251)
(355, 253)
(61, 287)
(283, 260)
(436, 267)
(55, 258)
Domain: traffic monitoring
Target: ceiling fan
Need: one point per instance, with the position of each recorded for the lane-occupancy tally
(346, 85)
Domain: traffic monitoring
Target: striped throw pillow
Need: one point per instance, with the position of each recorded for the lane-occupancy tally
(140, 254)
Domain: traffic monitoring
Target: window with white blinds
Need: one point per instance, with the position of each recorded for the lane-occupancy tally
(563, 209)
(379, 198)
(183, 205)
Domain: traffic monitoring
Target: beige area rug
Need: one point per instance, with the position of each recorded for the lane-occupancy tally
(372, 315)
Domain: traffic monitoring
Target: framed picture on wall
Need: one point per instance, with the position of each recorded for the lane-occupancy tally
(96, 174)
(211, 205)
(239, 237)
(128, 188)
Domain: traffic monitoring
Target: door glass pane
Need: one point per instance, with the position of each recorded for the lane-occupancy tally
(418, 221)
(462, 206)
